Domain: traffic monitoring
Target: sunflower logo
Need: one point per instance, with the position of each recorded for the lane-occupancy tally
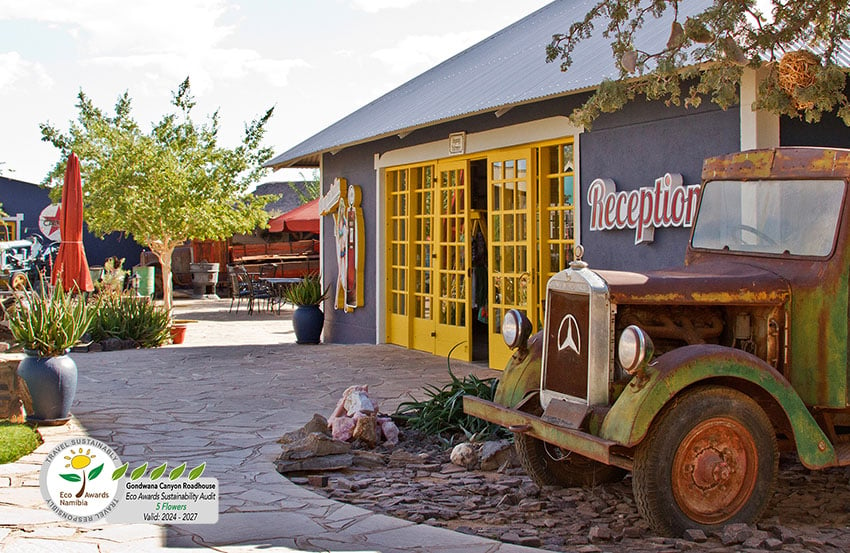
(81, 461)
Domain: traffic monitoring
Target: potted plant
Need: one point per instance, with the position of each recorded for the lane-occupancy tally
(46, 324)
(308, 319)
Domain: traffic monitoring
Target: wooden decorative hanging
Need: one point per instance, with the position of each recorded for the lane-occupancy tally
(797, 70)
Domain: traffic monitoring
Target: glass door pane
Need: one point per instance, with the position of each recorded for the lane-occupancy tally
(398, 277)
(511, 244)
(422, 188)
(452, 301)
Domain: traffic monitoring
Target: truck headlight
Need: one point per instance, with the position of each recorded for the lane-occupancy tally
(516, 329)
(635, 349)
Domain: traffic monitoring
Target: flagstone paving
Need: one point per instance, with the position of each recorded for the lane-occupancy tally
(223, 397)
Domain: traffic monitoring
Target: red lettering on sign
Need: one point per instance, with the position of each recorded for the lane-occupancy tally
(666, 204)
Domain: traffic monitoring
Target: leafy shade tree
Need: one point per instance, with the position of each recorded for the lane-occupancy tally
(167, 186)
(795, 41)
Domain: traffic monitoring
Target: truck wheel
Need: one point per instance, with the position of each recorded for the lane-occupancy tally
(549, 465)
(710, 459)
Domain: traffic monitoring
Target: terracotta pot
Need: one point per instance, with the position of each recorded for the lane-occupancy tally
(178, 333)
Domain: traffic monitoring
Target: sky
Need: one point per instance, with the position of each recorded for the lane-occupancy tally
(315, 61)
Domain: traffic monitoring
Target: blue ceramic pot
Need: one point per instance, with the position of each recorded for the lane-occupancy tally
(308, 320)
(52, 383)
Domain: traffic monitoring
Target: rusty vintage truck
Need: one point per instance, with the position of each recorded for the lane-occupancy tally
(694, 379)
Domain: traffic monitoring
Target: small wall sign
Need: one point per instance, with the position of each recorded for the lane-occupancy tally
(457, 143)
(667, 204)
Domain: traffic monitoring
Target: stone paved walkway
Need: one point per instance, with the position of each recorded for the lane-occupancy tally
(224, 397)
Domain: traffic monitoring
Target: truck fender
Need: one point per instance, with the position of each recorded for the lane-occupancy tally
(630, 417)
(522, 374)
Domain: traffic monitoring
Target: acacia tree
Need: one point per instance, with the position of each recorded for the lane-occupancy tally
(166, 186)
(796, 41)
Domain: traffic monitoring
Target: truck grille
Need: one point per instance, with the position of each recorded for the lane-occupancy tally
(566, 362)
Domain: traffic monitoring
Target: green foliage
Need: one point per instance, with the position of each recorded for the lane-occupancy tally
(704, 56)
(130, 318)
(48, 321)
(306, 292)
(312, 187)
(17, 440)
(112, 280)
(165, 186)
(441, 414)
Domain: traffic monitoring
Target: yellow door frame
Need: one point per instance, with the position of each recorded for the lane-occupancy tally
(453, 301)
(512, 251)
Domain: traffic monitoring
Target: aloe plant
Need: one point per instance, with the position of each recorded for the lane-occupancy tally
(48, 321)
(306, 292)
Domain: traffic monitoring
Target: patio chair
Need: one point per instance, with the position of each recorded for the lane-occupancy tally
(256, 290)
(238, 289)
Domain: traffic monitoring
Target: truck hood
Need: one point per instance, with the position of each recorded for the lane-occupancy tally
(703, 283)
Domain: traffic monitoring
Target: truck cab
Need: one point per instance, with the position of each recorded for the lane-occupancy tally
(694, 378)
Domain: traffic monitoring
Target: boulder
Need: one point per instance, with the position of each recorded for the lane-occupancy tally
(464, 455)
(314, 444)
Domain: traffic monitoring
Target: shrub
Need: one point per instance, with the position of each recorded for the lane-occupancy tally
(306, 292)
(48, 322)
(130, 318)
(442, 415)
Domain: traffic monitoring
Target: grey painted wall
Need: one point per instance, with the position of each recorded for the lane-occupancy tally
(633, 148)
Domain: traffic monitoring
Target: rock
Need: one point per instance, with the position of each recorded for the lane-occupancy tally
(733, 534)
(695, 535)
(401, 458)
(317, 424)
(772, 544)
(112, 344)
(528, 541)
(356, 399)
(599, 533)
(314, 444)
(464, 455)
(365, 429)
(95, 347)
(318, 481)
(328, 462)
(368, 459)
(495, 453)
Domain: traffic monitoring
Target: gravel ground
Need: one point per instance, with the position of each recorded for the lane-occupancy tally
(810, 510)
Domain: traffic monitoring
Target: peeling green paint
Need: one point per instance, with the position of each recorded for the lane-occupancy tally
(631, 415)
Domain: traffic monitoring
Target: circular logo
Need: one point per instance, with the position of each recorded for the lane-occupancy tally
(76, 479)
(48, 222)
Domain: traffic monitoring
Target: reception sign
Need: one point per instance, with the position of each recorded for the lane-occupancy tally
(667, 204)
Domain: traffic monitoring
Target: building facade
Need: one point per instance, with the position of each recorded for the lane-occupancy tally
(467, 214)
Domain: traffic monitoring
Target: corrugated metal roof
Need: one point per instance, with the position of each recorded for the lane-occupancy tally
(506, 69)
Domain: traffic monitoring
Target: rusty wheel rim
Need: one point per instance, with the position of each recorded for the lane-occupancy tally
(715, 470)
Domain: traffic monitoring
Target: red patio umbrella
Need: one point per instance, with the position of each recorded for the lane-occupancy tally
(71, 264)
(304, 218)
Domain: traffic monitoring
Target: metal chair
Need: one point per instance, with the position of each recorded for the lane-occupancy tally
(256, 290)
(238, 289)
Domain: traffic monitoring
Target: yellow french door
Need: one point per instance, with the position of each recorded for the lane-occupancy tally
(452, 302)
(557, 211)
(423, 193)
(511, 203)
(398, 278)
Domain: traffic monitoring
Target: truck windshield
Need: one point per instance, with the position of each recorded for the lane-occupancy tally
(791, 217)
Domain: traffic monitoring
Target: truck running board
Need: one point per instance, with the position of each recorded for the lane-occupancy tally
(587, 445)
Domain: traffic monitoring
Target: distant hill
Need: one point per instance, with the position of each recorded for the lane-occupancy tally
(289, 199)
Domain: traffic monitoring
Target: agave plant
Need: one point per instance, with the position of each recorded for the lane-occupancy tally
(48, 322)
(306, 292)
